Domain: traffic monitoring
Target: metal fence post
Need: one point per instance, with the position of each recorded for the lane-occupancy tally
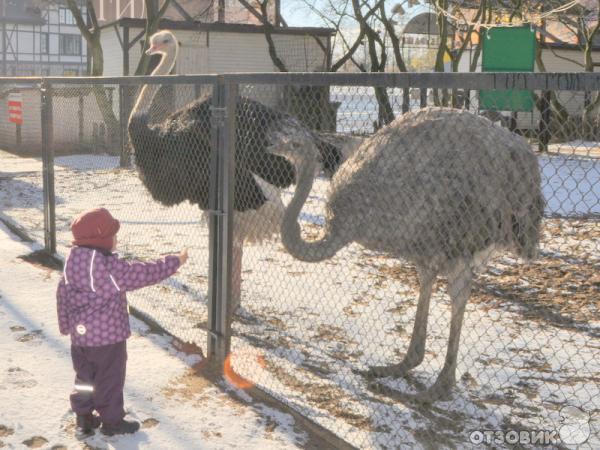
(48, 167)
(81, 117)
(544, 134)
(124, 157)
(423, 97)
(221, 218)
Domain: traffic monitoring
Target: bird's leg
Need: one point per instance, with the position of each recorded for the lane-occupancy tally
(416, 348)
(459, 290)
(236, 273)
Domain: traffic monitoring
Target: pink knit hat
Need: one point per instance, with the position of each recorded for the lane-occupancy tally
(95, 228)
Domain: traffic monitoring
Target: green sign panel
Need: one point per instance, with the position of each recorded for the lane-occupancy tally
(508, 49)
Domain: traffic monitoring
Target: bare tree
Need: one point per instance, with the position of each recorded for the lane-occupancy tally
(349, 37)
(583, 23)
(92, 34)
(588, 30)
(268, 29)
(331, 13)
(309, 102)
(91, 31)
(389, 25)
(344, 16)
(377, 55)
(455, 38)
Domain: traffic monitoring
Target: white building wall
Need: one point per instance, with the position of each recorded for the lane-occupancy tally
(193, 53)
(555, 61)
(238, 52)
(76, 131)
(301, 53)
(24, 55)
(113, 53)
(26, 44)
(31, 129)
(135, 52)
(223, 52)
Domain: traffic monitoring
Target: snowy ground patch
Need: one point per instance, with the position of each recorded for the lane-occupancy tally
(177, 409)
(530, 343)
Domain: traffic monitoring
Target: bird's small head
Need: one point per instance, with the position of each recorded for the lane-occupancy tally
(162, 43)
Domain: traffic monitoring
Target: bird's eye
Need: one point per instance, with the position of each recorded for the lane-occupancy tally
(166, 41)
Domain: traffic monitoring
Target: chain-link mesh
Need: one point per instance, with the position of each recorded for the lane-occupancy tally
(342, 316)
(92, 165)
(21, 194)
(402, 275)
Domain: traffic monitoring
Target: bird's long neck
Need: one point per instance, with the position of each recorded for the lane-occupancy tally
(315, 251)
(142, 105)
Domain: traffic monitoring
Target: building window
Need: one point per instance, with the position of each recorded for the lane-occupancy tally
(44, 50)
(70, 44)
(65, 17)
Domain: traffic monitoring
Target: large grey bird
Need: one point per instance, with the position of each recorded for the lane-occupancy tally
(441, 188)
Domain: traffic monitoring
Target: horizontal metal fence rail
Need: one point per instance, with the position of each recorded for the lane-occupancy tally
(501, 81)
(125, 80)
(572, 81)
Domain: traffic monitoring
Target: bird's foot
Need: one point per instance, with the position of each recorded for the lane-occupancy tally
(392, 370)
(440, 390)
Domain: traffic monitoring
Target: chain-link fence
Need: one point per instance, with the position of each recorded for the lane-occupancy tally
(402, 275)
(21, 189)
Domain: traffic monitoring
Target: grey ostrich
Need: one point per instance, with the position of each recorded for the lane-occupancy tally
(173, 157)
(441, 188)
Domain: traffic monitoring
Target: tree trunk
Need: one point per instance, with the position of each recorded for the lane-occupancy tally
(442, 49)
(558, 112)
(92, 36)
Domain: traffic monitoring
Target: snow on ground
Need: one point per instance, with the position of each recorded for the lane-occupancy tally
(178, 409)
(530, 343)
(571, 185)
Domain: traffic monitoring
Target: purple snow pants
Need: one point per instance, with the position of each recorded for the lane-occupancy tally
(99, 380)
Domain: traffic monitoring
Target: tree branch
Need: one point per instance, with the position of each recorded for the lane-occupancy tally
(564, 57)
(268, 27)
(393, 37)
(81, 24)
(350, 53)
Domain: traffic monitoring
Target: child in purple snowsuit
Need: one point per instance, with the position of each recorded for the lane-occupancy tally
(92, 308)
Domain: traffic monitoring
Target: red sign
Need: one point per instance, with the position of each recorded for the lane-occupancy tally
(15, 108)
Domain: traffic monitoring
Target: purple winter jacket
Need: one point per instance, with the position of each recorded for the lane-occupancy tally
(91, 300)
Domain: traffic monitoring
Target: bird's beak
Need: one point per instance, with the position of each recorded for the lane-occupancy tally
(152, 50)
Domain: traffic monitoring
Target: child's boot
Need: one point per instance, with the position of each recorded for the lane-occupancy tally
(86, 423)
(122, 427)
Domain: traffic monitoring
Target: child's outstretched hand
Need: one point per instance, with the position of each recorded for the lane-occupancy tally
(183, 257)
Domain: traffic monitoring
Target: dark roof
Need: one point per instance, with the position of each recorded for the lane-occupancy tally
(21, 12)
(424, 23)
(224, 27)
